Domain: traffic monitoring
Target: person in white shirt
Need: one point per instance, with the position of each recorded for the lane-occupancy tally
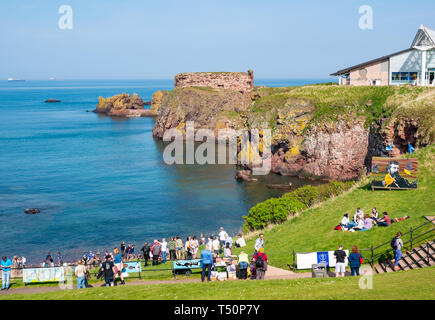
(345, 222)
(195, 246)
(222, 237)
(216, 246)
(210, 243)
(164, 249)
(359, 224)
(227, 250)
(259, 243)
(358, 213)
(240, 242)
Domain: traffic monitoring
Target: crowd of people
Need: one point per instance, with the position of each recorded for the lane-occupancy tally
(364, 222)
(216, 247)
(241, 265)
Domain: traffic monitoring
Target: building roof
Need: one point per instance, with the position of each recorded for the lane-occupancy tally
(424, 34)
(425, 37)
(347, 70)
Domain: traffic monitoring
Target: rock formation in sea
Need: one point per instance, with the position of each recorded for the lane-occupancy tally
(318, 131)
(124, 105)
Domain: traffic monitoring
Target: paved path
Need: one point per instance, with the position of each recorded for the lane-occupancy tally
(430, 218)
(272, 273)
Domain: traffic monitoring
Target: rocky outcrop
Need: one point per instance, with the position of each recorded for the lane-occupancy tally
(123, 105)
(157, 100)
(334, 150)
(209, 108)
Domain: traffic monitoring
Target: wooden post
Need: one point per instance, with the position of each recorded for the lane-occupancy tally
(411, 237)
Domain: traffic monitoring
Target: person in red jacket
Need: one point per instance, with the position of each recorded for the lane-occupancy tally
(260, 259)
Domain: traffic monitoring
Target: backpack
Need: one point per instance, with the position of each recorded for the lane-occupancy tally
(259, 263)
(394, 243)
(337, 227)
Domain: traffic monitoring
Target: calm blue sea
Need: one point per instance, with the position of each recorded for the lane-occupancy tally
(100, 180)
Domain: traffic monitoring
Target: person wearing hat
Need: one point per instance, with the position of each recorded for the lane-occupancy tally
(260, 259)
(108, 268)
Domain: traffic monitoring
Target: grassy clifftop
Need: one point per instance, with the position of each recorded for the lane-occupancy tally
(313, 230)
(326, 103)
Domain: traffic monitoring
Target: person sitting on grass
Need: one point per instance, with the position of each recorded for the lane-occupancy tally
(385, 221)
(368, 223)
(345, 222)
(374, 215)
(400, 219)
(359, 225)
(240, 242)
(358, 213)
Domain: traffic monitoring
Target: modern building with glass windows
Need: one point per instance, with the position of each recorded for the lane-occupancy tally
(415, 65)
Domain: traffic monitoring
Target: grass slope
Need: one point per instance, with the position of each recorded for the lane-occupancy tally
(313, 230)
(415, 284)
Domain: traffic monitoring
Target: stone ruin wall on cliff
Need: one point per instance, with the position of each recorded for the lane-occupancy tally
(237, 81)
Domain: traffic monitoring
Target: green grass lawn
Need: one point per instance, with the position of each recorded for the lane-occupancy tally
(415, 284)
(314, 230)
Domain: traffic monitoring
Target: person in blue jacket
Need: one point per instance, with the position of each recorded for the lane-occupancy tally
(355, 261)
(207, 263)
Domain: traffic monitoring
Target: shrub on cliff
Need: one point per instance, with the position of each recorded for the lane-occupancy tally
(307, 195)
(277, 210)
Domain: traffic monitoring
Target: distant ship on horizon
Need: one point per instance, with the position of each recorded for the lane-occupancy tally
(15, 80)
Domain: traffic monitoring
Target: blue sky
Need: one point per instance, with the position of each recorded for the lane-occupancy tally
(155, 39)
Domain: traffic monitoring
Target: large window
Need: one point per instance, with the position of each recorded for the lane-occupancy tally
(404, 76)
